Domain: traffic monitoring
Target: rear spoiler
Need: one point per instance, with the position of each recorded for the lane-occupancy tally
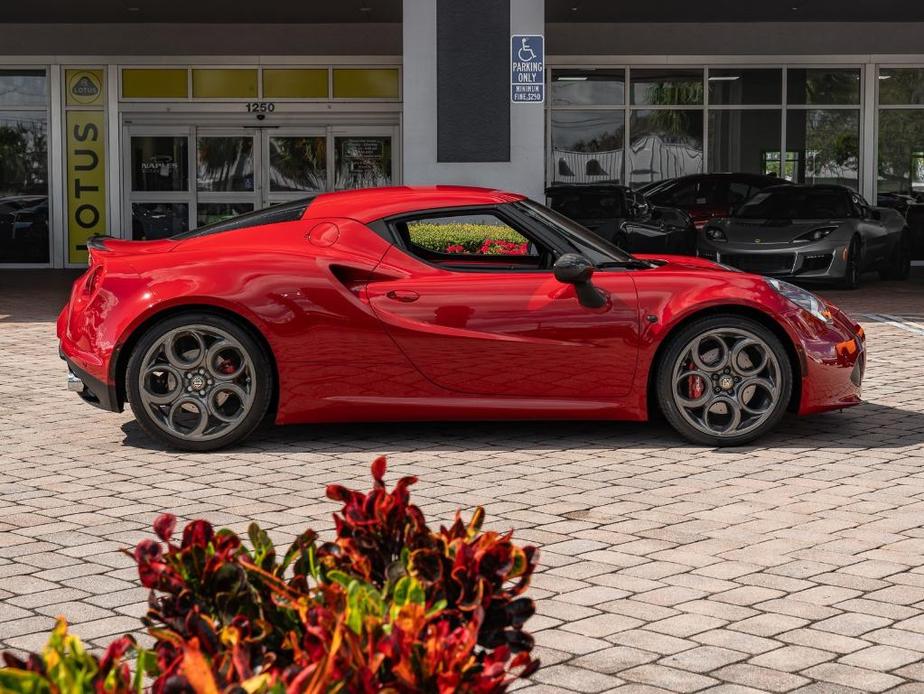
(98, 243)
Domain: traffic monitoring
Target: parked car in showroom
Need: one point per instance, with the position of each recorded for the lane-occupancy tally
(625, 217)
(813, 233)
(709, 196)
(337, 308)
(24, 228)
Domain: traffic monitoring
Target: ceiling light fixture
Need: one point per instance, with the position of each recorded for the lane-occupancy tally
(725, 78)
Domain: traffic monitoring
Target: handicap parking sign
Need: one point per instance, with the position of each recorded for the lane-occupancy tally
(527, 60)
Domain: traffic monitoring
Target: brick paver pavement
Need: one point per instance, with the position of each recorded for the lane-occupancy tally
(793, 565)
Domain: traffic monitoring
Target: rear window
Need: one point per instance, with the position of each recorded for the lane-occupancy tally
(589, 205)
(284, 212)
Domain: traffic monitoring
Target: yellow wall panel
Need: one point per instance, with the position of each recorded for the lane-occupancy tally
(224, 83)
(366, 83)
(294, 83)
(154, 83)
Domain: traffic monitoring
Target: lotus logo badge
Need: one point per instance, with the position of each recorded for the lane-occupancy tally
(756, 240)
(85, 87)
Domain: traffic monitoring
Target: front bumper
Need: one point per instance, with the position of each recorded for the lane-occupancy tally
(834, 362)
(809, 262)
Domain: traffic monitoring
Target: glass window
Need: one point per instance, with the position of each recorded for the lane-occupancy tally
(588, 87)
(587, 146)
(366, 83)
(665, 144)
(901, 86)
(745, 86)
(667, 87)
(298, 163)
(224, 163)
(23, 187)
(827, 145)
(739, 139)
(155, 83)
(297, 84)
(158, 220)
(160, 163)
(212, 212)
(797, 203)
(901, 151)
(27, 88)
(362, 162)
(823, 86)
(465, 234)
(228, 83)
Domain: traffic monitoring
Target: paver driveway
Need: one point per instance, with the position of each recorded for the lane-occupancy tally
(797, 564)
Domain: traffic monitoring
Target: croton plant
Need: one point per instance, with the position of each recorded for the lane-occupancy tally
(388, 605)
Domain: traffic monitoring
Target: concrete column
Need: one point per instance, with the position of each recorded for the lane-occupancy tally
(525, 170)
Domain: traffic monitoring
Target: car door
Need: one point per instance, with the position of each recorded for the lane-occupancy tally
(875, 234)
(499, 324)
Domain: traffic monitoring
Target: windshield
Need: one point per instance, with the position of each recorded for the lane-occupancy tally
(595, 248)
(796, 203)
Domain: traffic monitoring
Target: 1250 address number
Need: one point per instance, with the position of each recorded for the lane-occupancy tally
(260, 107)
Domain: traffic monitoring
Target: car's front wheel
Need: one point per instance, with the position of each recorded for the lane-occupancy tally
(724, 381)
(198, 382)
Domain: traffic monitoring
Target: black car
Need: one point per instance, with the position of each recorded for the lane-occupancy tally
(625, 217)
(709, 196)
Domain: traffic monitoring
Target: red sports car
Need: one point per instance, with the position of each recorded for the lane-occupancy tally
(435, 304)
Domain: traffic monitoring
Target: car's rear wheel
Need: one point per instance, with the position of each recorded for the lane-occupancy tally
(851, 278)
(724, 381)
(199, 382)
(898, 267)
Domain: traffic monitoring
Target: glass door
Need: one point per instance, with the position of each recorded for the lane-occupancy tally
(227, 165)
(182, 177)
(160, 196)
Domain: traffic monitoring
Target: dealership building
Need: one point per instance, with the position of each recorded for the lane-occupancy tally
(141, 119)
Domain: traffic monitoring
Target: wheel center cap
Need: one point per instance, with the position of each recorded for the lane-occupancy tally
(726, 382)
(197, 382)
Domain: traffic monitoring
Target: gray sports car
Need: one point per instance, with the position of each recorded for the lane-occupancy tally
(809, 233)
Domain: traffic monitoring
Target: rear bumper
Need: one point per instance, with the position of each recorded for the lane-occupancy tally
(90, 389)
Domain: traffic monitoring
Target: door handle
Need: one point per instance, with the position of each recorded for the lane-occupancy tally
(405, 296)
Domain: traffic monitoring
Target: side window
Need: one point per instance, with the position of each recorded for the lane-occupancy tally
(739, 192)
(472, 240)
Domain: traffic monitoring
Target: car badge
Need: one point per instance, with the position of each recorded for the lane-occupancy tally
(756, 240)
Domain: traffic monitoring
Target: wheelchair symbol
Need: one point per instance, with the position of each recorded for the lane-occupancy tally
(526, 53)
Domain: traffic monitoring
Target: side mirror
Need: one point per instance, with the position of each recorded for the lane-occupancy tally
(575, 269)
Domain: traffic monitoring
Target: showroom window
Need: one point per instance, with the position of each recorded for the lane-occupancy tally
(24, 166)
(642, 125)
(901, 131)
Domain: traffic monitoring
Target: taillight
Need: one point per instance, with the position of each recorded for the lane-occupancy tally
(93, 280)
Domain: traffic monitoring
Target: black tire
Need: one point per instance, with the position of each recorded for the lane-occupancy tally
(852, 270)
(261, 382)
(898, 267)
(675, 349)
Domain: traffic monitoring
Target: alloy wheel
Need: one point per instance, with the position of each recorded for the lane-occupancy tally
(197, 382)
(726, 382)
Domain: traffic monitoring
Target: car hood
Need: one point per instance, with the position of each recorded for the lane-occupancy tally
(767, 231)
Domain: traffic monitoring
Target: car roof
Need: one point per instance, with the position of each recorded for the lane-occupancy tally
(369, 204)
(811, 186)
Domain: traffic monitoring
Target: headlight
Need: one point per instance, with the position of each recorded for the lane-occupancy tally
(801, 298)
(815, 234)
(716, 235)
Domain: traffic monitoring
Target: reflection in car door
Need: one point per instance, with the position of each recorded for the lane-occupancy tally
(508, 333)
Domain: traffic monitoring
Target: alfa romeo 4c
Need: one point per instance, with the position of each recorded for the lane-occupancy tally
(441, 303)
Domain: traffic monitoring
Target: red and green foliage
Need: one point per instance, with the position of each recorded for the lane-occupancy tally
(388, 605)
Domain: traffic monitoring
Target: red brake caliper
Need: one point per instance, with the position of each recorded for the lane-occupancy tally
(695, 386)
